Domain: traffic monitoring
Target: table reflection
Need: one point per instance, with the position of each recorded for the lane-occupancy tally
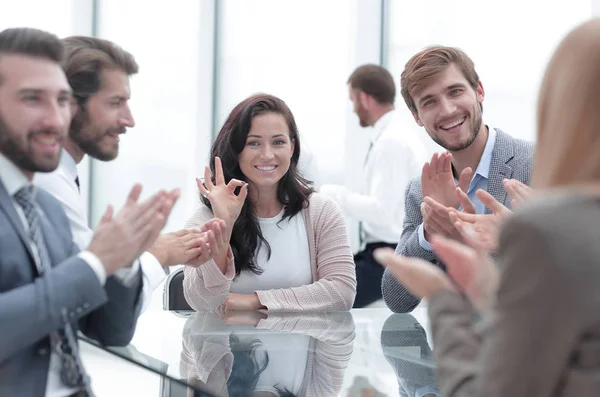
(404, 344)
(274, 355)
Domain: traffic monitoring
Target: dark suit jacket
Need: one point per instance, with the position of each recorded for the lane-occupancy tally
(31, 307)
(543, 332)
(511, 158)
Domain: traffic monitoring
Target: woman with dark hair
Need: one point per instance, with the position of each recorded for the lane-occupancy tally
(284, 247)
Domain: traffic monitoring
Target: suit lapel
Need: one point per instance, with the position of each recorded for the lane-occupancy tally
(6, 205)
(499, 167)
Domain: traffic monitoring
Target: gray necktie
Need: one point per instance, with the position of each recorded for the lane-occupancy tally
(72, 372)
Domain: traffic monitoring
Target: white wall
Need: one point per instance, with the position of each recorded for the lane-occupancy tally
(510, 42)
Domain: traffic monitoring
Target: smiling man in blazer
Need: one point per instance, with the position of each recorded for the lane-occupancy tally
(49, 290)
(442, 90)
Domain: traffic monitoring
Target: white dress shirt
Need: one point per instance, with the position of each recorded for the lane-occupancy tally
(61, 184)
(397, 155)
(13, 180)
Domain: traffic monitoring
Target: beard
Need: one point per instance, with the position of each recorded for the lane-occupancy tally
(83, 135)
(475, 128)
(20, 156)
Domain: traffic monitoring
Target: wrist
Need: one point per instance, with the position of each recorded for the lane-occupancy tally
(161, 255)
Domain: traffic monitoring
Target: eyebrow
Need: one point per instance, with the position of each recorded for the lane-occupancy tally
(449, 88)
(38, 91)
(274, 136)
(119, 97)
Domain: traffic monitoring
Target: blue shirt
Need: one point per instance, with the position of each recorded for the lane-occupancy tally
(479, 181)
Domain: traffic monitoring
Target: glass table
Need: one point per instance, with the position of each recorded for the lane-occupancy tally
(361, 353)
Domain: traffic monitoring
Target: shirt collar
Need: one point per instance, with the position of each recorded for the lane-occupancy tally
(67, 162)
(11, 176)
(381, 124)
(483, 168)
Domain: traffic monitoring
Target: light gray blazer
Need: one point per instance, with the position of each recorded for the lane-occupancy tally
(511, 158)
(543, 332)
(31, 307)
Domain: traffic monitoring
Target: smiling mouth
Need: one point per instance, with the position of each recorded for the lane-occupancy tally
(454, 124)
(266, 168)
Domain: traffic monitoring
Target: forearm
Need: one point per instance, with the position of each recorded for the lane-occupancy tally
(206, 287)
(29, 313)
(114, 323)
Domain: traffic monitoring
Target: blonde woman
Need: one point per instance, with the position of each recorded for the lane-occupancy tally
(542, 336)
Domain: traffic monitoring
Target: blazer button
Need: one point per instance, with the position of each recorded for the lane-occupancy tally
(86, 305)
(43, 351)
(79, 310)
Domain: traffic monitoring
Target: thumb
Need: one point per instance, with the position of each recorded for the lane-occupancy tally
(465, 179)
(490, 201)
(107, 217)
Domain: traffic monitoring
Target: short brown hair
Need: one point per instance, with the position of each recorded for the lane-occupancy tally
(31, 42)
(429, 63)
(375, 81)
(87, 57)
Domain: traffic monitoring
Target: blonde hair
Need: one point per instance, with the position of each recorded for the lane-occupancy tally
(568, 137)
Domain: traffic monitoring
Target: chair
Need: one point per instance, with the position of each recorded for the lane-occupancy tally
(173, 299)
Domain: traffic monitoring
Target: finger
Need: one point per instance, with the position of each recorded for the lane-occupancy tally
(243, 194)
(459, 258)
(108, 214)
(440, 163)
(170, 202)
(469, 236)
(433, 165)
(134, 194)
(201, 187)
(207, 179)
(447, 163)
(443, 222)
(425, 172)
(235, 183)
(463, 216)
(490, 201)
(138, 215)
(465, 179)
(435, 206)
(219, 177)
(466, 203)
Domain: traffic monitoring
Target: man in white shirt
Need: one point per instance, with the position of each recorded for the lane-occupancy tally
(49, 290)
(98, 72)
(395, 156)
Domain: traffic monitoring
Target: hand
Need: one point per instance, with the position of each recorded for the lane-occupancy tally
(218, 242)
(119, 240)
(225, 203)
(517, 191)
(481, 231)
(242, 317)
(436, 220)
(177, 248)
(241, 302)
(471, 269)
(438, 183)
(420, 277)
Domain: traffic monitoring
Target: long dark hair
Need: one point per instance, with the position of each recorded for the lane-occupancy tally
(293, 190)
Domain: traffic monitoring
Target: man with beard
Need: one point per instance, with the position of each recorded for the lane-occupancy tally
(98, 72)
(442, 90)
(49, 290)
(395, 156)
